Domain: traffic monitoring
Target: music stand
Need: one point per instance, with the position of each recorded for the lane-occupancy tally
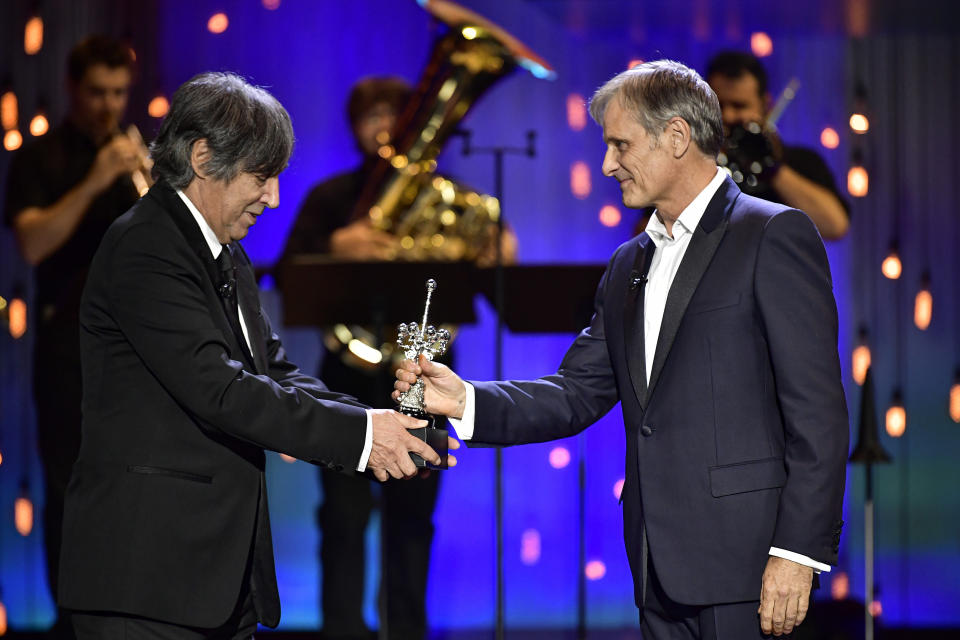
(319, 291)
(568, 291)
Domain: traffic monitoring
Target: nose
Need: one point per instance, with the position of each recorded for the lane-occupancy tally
(271, 193)
(610, 162)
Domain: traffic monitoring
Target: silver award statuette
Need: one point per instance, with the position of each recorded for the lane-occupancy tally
(429, 341)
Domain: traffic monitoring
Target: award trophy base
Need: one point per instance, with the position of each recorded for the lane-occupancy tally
(433, 435)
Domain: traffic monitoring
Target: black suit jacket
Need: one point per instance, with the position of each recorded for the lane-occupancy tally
(166, 511)
(738, 441)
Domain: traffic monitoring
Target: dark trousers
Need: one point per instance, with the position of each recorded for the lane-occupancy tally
(406, 512)
(407, 522)
(57, 395)
(110, 626)
(664, 619)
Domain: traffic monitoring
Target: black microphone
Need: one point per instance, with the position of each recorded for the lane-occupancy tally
(637, 280)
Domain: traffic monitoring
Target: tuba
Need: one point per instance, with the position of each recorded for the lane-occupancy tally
(434, 217)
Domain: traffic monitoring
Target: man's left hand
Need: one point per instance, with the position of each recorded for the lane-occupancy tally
(785, 595)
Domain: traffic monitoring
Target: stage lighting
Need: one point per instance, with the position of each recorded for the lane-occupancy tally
(530, 547)
(761, 44)
(39, 124)
(580, 185)
(618, 488)
(829, 138)
(896, 416)
(923, 303)
(858, 181)
(8, 110)
(218, 23)
(891, 265)
(595, 570)
(559, 457)
(859, 123)
(23, 512)
(158, 107)
(12, 140)
(287, 459)
(609, 216)
(33, 36)
(861, 357)
(576, 112)
(955, 397)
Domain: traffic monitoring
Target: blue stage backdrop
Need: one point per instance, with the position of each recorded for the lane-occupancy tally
(309, 53)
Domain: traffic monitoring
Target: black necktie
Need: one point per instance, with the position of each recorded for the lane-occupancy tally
(228, 292)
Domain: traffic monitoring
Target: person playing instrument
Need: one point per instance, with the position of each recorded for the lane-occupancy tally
(63, 191)
(716, 332)
(326, 224)
(802, 179)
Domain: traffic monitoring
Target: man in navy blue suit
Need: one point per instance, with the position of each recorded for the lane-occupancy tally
(716, 329)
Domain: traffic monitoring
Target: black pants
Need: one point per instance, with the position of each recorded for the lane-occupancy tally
(57, 395)
(664, 619)
(111, 626)
(407, 521)
(407, 529)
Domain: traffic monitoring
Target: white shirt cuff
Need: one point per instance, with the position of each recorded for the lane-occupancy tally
(818, 567)
(464, 426)
(367, 444)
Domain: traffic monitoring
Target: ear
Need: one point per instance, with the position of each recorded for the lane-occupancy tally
(678, 136)
(199, 156)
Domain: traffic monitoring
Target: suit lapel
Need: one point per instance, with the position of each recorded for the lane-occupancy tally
(706, 238)
(171, 203)
(248, 298)
(633, 318)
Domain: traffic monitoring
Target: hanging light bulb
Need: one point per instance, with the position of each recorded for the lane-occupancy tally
(17, 317)
(955, 397)
(896, 416)
(891, 266)
(23, 511)
(3, 617)
(858, 180)
(33, 36)
(861, 357)
(923, 303)
(12, 140)
(8, 110)
(859, 123)
(39, 124)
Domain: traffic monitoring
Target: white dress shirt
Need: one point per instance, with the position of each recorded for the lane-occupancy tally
(215, 248)
(666, 260)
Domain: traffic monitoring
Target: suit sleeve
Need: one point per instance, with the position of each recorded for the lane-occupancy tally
(156, 297)
(557, 406)
(794, 294)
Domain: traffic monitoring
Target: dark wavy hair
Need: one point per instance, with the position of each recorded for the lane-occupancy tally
(246, 129)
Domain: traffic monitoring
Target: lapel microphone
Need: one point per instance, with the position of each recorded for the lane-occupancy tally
(637, 280)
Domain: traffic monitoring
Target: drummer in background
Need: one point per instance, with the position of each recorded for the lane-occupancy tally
(802, 179)
(63, 191)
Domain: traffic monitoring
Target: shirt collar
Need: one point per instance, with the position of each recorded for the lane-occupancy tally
(690, 217)
(208, 234)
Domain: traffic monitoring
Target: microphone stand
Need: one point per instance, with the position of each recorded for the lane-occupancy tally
(498, 153)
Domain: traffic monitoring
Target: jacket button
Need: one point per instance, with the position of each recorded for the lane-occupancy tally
(646, 430)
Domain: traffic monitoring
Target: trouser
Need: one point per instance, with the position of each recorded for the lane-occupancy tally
(407, 530)
(112, 626)
(664, 619)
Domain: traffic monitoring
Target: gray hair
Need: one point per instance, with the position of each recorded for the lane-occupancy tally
(654, 92)
(245, 127)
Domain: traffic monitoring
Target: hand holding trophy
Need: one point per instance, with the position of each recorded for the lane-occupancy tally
(430, 342)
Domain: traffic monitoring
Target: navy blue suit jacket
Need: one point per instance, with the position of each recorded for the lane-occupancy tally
(738, 441)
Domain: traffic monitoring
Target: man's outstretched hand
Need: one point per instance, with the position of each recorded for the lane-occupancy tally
(392, 445)
(444, 393)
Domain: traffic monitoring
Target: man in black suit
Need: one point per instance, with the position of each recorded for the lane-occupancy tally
(716, 329)
(166, 527)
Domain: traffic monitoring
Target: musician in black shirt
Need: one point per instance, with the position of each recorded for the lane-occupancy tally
(801, 179)
(63, 191)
